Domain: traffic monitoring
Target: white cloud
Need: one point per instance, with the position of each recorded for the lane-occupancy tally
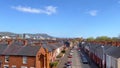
(50, 10)
(47, 10)
(93, 12)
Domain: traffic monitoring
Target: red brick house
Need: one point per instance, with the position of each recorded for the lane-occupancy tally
(18, 55)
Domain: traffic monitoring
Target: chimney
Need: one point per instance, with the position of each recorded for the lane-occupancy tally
(52, 42)
(114, 43)
(118, 43)
(37, 43)
(105, 42)
(110, 42)
(25, 42)
(9, 41)
(1, 40)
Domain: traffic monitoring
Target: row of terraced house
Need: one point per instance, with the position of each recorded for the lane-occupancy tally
(104, 54)
(28, 53)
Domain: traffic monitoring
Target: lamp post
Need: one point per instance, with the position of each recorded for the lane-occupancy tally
(103, 58)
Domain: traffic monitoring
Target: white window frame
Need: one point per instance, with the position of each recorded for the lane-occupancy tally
(32, 67)
(24, 59)
(6, 66)
(14, 66)
(24, 67)
(7, 59)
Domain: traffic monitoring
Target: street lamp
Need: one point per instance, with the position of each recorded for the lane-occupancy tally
(103, 56)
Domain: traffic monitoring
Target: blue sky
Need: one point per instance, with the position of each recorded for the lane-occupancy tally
(61, 18)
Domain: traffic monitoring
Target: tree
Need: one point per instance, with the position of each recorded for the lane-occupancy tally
(103, 38)
(90, 39)
(115, 39)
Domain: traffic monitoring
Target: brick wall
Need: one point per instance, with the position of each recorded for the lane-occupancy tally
(42, 58)
(18, 61)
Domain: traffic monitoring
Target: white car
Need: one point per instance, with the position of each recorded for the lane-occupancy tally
(72, 51)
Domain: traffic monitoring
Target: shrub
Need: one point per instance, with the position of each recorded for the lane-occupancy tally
(63, 51)
(53, 64)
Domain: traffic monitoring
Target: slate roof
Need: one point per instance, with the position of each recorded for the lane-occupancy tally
(27, 50)
(47, 47)
(93, 47)
(113, 51)
(54, 46)
(51, 47)
(99, 50)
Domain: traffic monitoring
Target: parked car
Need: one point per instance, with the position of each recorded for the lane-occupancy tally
(71, 51)
(84, 60)
(69, 56)
(70, 62)
(79, 49)
(69, 67)
(81, 54)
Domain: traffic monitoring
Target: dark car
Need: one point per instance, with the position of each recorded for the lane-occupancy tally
(70, 62)
(84, 60)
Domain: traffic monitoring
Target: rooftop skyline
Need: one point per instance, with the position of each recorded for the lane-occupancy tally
(61, 18)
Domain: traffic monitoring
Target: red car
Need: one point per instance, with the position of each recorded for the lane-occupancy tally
(70, 56)
(70, 62)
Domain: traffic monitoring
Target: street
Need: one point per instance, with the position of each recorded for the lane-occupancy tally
(76, 61)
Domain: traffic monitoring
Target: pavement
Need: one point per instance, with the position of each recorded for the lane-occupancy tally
(63, 60)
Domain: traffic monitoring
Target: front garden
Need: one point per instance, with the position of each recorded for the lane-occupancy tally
(54, 64)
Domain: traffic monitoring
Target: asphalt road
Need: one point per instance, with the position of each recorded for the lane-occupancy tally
(76, 60)
(92, 64)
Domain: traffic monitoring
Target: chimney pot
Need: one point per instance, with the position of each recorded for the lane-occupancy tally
(9, 41)
(25, 42)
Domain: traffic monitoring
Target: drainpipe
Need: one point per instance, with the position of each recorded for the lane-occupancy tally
(103, 61)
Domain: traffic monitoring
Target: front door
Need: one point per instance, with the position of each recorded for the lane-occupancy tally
(42, 61)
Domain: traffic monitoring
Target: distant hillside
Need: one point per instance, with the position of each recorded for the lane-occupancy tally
(7, 34)
(38, 35)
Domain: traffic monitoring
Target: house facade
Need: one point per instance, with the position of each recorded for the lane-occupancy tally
(105, 55)
(15, 55)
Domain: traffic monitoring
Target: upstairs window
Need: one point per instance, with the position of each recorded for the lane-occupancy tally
(14, 66)
(24, 60)
(6, 66)
(23, 66)
(6, 59)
